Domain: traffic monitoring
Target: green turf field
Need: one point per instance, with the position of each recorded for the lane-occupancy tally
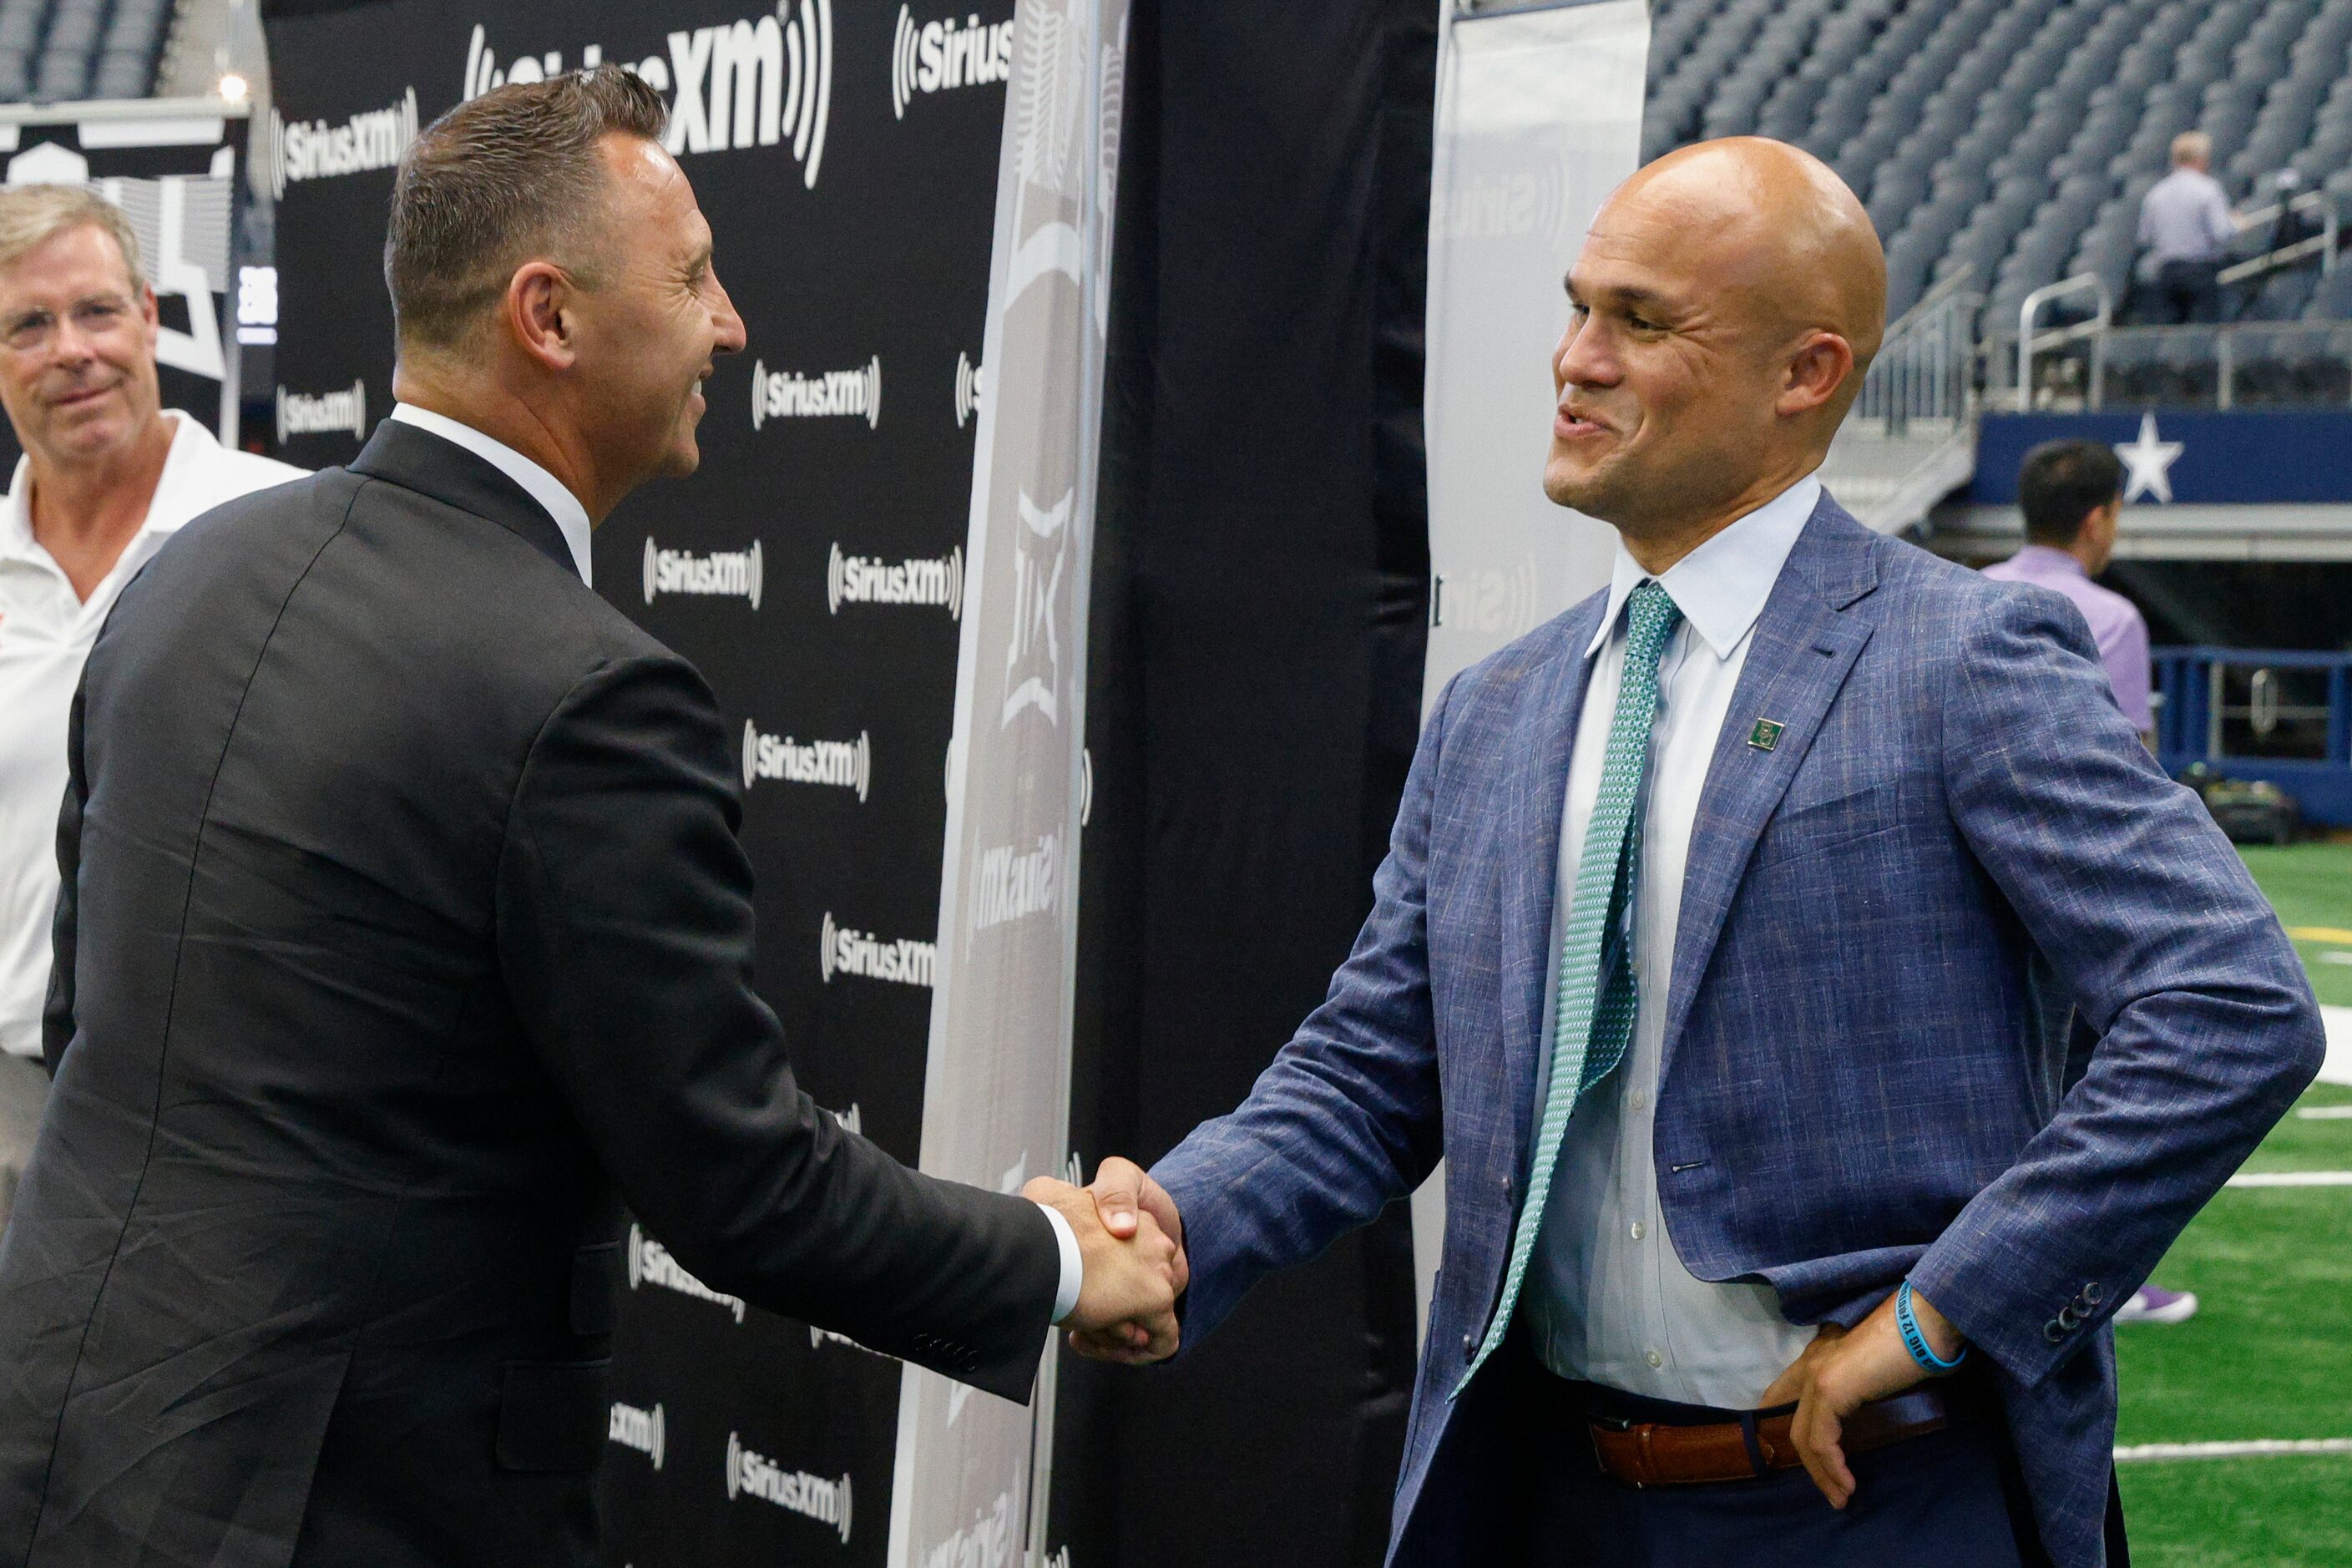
(2269, 1354)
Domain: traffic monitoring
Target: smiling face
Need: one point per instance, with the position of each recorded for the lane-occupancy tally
(77, 348)
(1717, 313)
(649, 327)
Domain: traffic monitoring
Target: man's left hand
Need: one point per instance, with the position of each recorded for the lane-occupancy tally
(1841, 1371)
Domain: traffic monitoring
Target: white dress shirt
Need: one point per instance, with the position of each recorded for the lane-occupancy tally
(571, 517)
(1608, 1299)
(45, 633)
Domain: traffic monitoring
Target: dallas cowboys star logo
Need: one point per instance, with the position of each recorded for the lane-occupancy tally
(2149, 461)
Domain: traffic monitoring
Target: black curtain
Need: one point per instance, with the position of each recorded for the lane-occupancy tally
(1259, 619)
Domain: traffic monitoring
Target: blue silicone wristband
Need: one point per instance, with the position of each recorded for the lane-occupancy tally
(1916, 1342)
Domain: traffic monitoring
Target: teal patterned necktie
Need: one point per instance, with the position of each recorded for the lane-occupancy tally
(1594, 1019)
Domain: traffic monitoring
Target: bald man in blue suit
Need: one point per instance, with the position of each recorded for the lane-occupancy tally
(1725, 950)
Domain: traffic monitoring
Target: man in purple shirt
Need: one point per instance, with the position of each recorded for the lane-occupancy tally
(2072, 493)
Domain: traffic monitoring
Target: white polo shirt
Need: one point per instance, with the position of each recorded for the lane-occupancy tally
(45, 633)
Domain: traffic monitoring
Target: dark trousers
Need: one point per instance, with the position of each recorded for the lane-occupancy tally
(2187, 292)
(1947, 1499)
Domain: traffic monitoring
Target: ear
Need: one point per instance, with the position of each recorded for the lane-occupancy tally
(1814, 373)
(149, 310)
(538, 315)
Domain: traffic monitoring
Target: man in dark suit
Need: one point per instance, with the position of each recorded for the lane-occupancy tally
(404, 934)
(1724, 950)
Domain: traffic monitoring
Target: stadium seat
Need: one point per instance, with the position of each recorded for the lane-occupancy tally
(2015, 139)
(61, 50)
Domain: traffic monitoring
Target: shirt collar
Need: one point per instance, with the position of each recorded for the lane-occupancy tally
(544, 487)
(189, 438)
(1721, 586)
(2042, 558)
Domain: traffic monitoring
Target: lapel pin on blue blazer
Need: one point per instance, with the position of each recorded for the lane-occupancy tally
(1767, 735)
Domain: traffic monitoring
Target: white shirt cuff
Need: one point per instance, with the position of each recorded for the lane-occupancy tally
(1073, 1267)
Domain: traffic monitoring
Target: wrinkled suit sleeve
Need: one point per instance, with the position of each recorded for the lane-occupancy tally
(2206, 1028)
(625, 934)
(1347, 1118)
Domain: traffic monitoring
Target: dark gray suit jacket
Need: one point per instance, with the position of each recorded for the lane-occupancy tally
(403, 934)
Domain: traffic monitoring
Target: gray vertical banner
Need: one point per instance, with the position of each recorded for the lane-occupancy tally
(966, 1482)
(1539, 119)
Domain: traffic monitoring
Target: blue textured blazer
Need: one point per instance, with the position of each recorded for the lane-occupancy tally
(1885, 919)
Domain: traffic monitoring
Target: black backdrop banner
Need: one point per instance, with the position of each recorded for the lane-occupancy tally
(847, 157)
(1259, 617)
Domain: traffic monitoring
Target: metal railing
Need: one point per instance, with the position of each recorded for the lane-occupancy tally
(2232, 351)
(1926, 364)
(2280, 714)
(2323, 243)
(2029, 344)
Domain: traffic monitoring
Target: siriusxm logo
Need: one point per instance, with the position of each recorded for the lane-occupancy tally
(840, 950)
(967, 390)
(1508, 206)
(764, 81)
(1492, 600)
(988, 1542)
(870, 580)
(721, 574)
(819, 1498)
(651, 1264)
(845, 764)
(324, 414)
(1013, 885)
(932, 56)
(317, 150)
(646, 1431)
(828, 393)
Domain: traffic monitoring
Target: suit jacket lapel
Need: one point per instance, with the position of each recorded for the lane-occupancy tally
(1534, 789)
(1805, 647)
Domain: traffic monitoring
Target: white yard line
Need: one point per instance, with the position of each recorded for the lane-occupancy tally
(2292, 1179)
(2338, 1065)
(2141, 1452)
(2325, 1113)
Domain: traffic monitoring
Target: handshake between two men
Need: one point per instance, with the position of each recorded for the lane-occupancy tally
(1131, 1249)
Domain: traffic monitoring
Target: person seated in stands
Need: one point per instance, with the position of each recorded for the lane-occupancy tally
(2185, 225)
(2072, 493)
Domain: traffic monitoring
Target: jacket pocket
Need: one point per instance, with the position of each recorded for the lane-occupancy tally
(552, 1416)
(596, 1289)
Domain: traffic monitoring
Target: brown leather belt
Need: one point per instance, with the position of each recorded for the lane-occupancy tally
(1655, 1453)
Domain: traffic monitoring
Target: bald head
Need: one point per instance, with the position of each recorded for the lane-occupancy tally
(1728, 298)
(1775, 228)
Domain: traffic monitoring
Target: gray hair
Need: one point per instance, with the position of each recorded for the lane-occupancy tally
(499, 180)
(29, 215)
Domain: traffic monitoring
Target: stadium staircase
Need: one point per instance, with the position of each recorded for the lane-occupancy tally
(2002, 148)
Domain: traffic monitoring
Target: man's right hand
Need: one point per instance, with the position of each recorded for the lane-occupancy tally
(1133, 1274)
(1131, 1204)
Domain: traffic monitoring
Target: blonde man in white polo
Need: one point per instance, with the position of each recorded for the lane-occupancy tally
(107, 476)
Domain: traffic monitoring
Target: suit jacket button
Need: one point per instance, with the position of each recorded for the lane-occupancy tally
(2054, 1331)
(2093, 1294)
(1469, 1347)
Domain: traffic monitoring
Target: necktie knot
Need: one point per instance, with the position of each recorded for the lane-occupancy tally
(1650, 618)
